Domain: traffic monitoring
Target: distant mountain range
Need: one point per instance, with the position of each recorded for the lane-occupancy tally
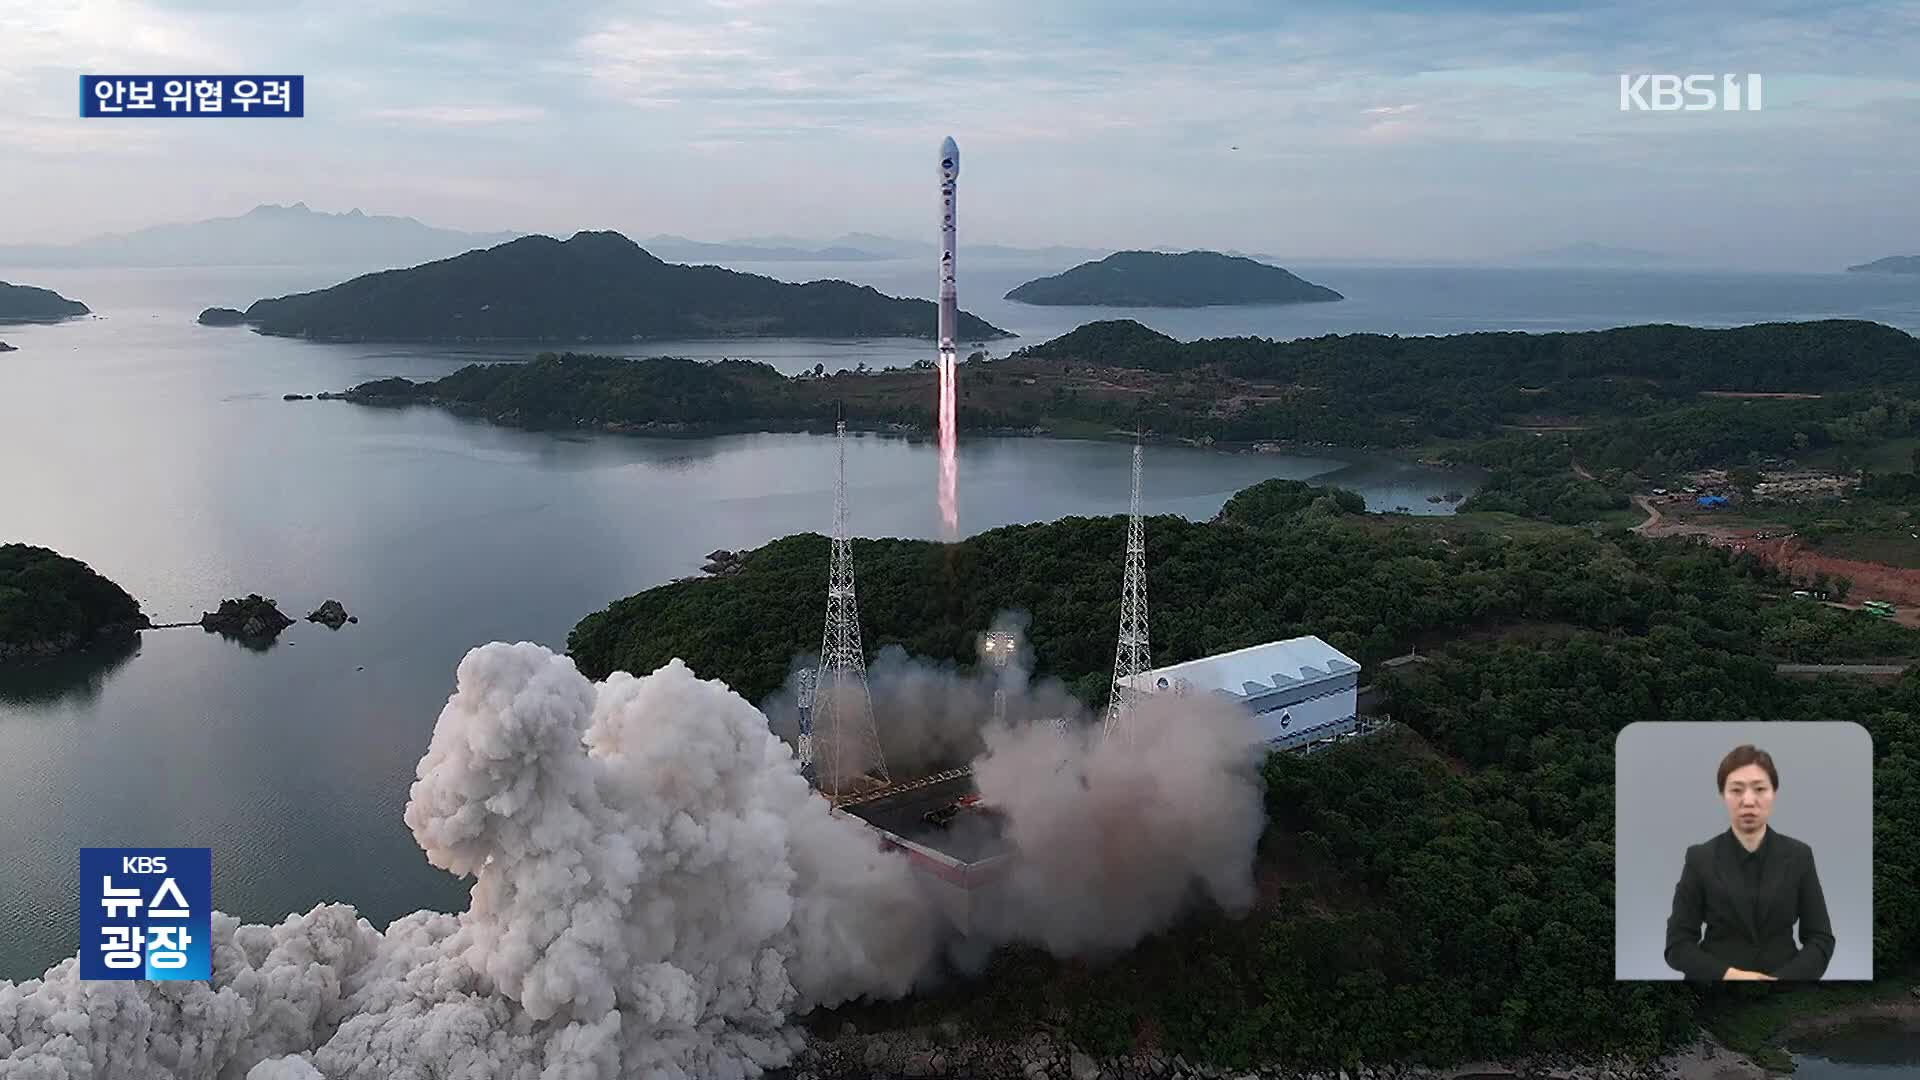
(297, 235)
(1162, 279)
(848, 247)
(1892, 264)
(594, 287)
(264, 236)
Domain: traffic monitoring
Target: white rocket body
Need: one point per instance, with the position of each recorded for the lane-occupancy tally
(949, 296)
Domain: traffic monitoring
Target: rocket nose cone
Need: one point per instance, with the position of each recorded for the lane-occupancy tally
(949, 157)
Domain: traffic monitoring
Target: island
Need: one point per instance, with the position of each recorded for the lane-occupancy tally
(28, 304)
(1357, 390)
(1892, 264)
(332, 614)
(221, 316)
(254, 619)
(4, 347)
(1572, 428)
(51, 604)
(594, 287)
(1161, 279)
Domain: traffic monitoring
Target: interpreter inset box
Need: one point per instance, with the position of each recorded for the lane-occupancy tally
(1743, 851)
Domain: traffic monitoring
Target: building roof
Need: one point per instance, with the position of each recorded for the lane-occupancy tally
(1257, 669)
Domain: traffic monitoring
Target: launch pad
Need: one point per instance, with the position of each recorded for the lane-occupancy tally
(958, 848)
(939, 812)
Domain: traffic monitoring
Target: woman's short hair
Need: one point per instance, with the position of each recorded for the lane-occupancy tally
(1742, 756)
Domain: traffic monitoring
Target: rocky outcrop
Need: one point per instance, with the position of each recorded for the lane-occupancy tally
(296, 397)
(4, 347)
(222, 316)
(723, 562)
(333, 614)
(252, 619)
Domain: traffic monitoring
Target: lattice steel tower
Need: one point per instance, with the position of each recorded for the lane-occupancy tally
(846, 744)
(1131, 658)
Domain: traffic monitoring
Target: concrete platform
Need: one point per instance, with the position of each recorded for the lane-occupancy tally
(973, 834)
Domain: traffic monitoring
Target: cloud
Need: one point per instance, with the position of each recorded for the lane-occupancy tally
(101, 34)
(1083, 119)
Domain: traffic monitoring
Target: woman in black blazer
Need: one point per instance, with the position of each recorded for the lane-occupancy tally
(1749, 885)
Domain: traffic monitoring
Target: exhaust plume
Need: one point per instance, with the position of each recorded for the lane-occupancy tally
(657, 891)
(1115, 838)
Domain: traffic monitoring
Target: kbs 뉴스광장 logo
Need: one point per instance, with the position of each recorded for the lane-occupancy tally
(146, 913)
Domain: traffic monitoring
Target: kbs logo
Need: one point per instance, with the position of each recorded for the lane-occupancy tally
(146, 913)
(1689, 93)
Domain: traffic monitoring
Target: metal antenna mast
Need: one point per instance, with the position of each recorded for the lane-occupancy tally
(1131, 658)
(843, 707)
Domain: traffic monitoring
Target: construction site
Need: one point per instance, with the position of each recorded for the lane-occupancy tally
(1302, 695)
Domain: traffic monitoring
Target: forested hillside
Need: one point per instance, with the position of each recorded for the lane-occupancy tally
(1440, 893)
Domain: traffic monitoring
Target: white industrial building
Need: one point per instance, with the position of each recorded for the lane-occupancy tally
(1300, 691)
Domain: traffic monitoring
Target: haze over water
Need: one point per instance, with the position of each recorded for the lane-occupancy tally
(160, 452)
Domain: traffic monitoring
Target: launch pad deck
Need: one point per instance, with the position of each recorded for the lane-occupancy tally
(972, 836)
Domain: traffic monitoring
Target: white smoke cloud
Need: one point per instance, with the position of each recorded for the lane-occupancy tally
(1116, 837)
(934, 715)
(656, 892)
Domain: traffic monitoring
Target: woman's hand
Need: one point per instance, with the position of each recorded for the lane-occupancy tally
(1742, 973)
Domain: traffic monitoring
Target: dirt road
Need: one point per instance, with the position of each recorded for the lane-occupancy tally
(1871, 581)
(1651, 526)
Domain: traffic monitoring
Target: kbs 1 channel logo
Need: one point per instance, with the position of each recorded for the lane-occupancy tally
(1690, 93)
(193, 95)
(146, 913)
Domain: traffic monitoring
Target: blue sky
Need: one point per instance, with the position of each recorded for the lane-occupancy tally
(1364, 129)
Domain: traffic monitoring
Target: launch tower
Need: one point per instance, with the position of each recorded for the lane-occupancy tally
(845, 744)
(1132, 657)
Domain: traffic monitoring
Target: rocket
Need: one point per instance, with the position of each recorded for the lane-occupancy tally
(949, 324)
(949, 296)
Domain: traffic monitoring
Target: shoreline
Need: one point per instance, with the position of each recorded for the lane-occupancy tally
(1412, 454)
(1900, 1012)
(943, 1050)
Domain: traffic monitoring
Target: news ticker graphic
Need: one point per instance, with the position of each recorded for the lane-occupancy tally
(146, 913)
(193, 95)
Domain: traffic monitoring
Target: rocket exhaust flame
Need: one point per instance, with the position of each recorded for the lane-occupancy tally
(949, 466)
(949, 323)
